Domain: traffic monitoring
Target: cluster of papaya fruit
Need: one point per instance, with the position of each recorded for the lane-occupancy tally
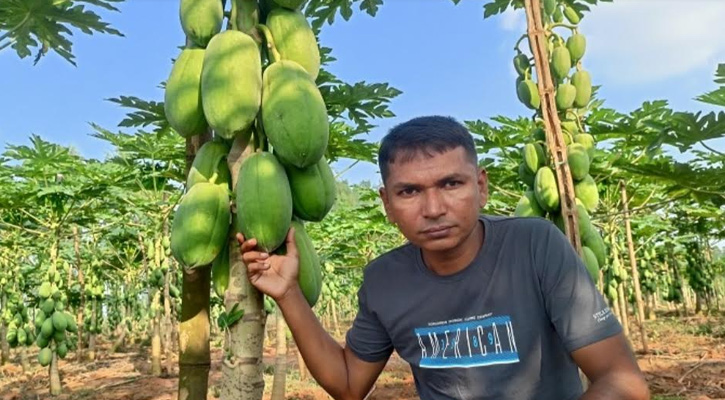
(573, 94)
(228, 82)
(52, 322)
(16, 319)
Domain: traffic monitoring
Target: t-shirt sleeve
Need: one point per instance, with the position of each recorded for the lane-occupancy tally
(575, 307)
(367, 337)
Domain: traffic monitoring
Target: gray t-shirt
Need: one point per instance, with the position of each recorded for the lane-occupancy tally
(502, 328)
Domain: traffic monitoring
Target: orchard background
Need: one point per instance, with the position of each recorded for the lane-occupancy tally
(97, 302)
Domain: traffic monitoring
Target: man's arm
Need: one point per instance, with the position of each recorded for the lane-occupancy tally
(611, 367)
(342, 374)
(338, 370)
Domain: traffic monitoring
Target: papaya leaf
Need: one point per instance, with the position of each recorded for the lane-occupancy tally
(147, 113)
(716, 97)
(45, 25)
(321, 11)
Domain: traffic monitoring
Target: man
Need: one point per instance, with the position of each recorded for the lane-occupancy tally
(480, 307)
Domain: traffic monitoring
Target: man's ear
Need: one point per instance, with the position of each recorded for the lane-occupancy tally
(384, 197)
(483, 186)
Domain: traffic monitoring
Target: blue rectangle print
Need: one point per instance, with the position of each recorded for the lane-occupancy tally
(468, 344)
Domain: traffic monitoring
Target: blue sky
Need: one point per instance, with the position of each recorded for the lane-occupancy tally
(446, 59)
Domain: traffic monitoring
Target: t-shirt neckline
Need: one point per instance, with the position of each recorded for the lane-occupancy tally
(488, 236)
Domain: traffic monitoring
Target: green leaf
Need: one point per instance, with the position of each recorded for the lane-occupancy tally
(45, 25)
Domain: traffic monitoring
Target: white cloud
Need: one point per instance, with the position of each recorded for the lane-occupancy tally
(513, 20)
(646, 41)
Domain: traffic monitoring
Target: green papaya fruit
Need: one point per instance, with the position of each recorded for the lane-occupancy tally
(201, 19)
(60, 336)
(582, 81)
(571, 14)
(71, 324)
(48, 306)
(201, 224)
(528, 206)
(59, 321)
(521, 63)
(294, 114)
(22, 336)
(546, 189)
(47, 328)
(558, 15)
(586, 191)
(182, 96)
(550, 6)
(525, 176)
(264, 201)
(313, 190)
(584, 222)
(39, 318)
(590, 261)
(565, 95)
(560, 62)
(569, 126)
(528, 93)
(533, 155)
(577, 45)
(294, 39)
(44, 290)
(62, 350)
(578, 160)
(310, 273)
(595, 242)
(210, 165)
(220, 272)
(290, 4)
(587, 141)
(231, 83)
(539, 135)
(45, 356)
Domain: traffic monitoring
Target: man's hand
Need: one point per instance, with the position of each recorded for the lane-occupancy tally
(614, 372)
(272, 274)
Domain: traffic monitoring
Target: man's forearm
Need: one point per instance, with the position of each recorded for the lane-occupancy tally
(323, 355)
(624, 386)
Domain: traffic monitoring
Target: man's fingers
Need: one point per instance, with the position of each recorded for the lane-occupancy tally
(252, 257)
(246, 245)
(257, 269)
(290, 243)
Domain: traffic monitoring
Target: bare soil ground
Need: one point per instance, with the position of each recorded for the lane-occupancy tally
(686, 361)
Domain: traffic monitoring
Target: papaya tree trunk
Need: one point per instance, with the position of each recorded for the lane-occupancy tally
(633, 266)
(92, 332)
(302, 366)
(55, 386)
(167, 301)
(623, 309)
(156, 346)
(194, 328)
(335, 321)
(24, 359)
(81, 282)
(280, 362)
(617, 311)
(4, 346)
(242, 377)
(120, 340)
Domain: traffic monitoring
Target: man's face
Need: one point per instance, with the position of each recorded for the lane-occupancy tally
(435, 201)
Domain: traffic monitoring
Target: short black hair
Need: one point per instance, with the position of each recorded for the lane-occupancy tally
(427, 135)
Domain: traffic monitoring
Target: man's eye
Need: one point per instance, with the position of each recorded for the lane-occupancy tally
(453, 183)
(408, 191)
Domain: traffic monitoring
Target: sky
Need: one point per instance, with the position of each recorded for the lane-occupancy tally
(446, 59)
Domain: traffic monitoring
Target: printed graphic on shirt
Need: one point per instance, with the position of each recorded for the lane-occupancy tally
(473, 342)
